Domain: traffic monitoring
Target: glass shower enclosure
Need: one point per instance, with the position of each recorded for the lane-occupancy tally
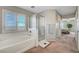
(41, 28)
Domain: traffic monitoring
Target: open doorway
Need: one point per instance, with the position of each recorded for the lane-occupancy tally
(68, 26)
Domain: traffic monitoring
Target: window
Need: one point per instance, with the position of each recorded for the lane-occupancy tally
(21, 22)
(9, 21)
(13, 22)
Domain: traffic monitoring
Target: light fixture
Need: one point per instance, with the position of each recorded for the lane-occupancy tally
(32, 6)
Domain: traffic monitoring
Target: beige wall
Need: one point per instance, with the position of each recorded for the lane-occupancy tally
(77, 33)
(51, 17)
(59, 18)
(76, 30)
(0, 20)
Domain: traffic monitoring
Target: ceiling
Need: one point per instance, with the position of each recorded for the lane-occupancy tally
(62, 10)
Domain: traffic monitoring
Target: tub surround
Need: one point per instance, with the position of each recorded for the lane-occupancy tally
(16, 42)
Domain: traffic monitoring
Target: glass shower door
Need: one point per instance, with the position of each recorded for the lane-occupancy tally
(41, 28)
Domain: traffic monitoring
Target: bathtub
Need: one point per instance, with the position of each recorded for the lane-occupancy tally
(16, 42)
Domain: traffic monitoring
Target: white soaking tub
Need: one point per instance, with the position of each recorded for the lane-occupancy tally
(16, 42)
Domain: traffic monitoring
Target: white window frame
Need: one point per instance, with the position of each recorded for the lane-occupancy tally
(19, 14)
(3, 19)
